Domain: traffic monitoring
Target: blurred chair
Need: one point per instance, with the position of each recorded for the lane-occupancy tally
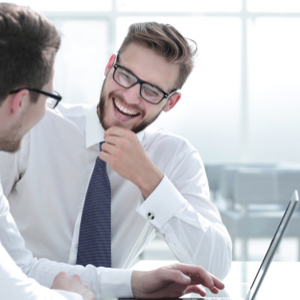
(227, 182)
(228, 174)
(259, 197)
(288, 181)
(254, 212)
(213, 173)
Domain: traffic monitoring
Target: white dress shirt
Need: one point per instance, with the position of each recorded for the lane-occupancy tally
(15, 285)
(104, 282)
(46, 183)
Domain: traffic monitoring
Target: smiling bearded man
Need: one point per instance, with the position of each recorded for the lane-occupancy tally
(136, 115)
(156, 182)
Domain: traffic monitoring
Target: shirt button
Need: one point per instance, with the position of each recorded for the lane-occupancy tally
(151, 216)
(76, 246)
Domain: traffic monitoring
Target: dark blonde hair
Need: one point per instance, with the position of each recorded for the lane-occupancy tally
(28, 44)
(166, 41)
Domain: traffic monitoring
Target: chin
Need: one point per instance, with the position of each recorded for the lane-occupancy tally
(10, 146)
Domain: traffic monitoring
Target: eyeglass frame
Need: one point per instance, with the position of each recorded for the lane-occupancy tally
(56, 96)
(141, 82)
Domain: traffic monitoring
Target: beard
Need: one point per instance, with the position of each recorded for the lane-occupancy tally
(102, 111)
(11, 138)
(10, 141)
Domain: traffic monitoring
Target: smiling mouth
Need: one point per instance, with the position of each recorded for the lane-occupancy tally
(124, 111)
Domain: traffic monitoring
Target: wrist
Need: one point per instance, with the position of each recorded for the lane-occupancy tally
(135, 283)
(150, 181)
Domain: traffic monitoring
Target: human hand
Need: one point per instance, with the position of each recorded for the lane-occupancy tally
(72, 283)
(126, 156)
(173, 281)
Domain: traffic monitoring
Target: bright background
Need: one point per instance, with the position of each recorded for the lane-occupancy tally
(241, 103)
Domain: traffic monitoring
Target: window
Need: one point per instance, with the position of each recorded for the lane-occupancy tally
(241, 102)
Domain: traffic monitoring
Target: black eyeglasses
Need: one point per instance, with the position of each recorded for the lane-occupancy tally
(52, 100)
(148, 92)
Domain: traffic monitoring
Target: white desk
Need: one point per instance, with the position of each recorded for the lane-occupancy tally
(281, 282)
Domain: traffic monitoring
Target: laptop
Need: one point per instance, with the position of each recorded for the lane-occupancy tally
(262, 271)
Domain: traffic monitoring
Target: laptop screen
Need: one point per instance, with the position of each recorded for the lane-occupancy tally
(273, 247)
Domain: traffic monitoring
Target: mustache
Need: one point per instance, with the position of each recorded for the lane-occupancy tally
(124, 102)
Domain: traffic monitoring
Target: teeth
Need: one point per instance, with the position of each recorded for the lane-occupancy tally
(124, 109)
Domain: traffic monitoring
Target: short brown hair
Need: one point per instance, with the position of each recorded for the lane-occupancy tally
(28, 44)
(166, 41)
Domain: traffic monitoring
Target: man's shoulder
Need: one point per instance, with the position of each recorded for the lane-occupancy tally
(65, 119)
(168, 150)
(66, 113)
(69, 110)
(165, 138)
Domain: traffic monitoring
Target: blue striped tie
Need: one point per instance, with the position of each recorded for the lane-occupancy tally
(95, 229)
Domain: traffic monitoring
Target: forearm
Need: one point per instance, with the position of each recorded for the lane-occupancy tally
(15, 285)
(201, 242)
(194, 233)
(104, 283)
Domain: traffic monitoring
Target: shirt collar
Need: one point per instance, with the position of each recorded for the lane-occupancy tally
(95, 131)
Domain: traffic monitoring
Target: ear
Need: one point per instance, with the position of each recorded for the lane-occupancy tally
(109, 64)
(172, 101)
(17, 100)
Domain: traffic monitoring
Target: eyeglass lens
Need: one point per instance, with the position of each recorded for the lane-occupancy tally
(51, 103)
(148, 92)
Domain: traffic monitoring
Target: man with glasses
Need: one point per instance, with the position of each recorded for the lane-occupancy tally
(19, 111)
(157, 180)
(28, 45)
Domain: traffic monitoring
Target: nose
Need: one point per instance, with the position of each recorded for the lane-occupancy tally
(132, 95)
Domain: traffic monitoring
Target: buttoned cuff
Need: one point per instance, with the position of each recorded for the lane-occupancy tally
(162, 204)
(116, 283)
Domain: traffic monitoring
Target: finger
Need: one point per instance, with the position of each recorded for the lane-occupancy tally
(218, 283)
(104, 156)
(211, 283)
(118, 142)
(76, 278)
(202, 276)
(108, 148)
(214, 290)
(115, 131)
(60, 277)
(112, 140)
(61, 274)
(195, 289)
(196, 273)
(175, 276)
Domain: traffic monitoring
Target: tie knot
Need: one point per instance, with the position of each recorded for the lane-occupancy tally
(98, 159)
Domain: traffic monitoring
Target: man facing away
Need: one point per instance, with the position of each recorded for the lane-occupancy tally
(28, 44)
(158, 182)
(18, 113)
